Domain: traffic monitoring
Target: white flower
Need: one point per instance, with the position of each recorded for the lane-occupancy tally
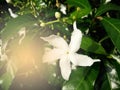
(63, 8)
(12, 14)
(66, 53)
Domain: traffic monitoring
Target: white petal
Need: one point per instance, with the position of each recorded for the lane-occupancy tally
(56, 41)
(65, 67)
(52, 55)
(82, 60)
(75, 39)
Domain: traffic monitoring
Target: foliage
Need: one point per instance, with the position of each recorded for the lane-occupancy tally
(21, 48)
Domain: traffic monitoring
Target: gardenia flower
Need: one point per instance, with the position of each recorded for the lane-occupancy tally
(66, 54)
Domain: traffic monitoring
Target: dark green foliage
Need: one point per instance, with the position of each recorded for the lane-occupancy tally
(100, 24)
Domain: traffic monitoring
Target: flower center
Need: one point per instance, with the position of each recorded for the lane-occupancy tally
(67, 52)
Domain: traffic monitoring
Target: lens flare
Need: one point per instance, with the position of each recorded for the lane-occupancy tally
(26, 56)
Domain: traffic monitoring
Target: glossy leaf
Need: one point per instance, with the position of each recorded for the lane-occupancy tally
(83, 5)
(81, 79)
(106, 7)
(81, 13)
(61, 28)
(91, 46)
(105, 83)
(112, 27)
(14, 25)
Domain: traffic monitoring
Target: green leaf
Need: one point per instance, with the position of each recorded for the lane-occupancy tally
(91, 46)
(79, 3)
(60, 27)
(14, 25)
(116, 65)
(82, 78)
(105, 83)
(81, 13)
(106, 7)
(112, 80)
(7, 80)
(83, 5)
(112, 27)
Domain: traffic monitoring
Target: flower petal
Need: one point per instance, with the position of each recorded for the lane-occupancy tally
(75, 39)
(82, 60)
(65, 67)
(52, 55)
(56, 41)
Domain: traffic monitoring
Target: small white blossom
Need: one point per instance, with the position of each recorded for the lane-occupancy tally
(8, 1)
(63, 8)
(12, 14)
(107, 1)
(42, 4)
(66, 29)
(67, 54)
(117, 58)
(54, 74)
(84, 16)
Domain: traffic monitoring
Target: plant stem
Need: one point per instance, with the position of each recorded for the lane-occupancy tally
(51, 22)
(103, 39)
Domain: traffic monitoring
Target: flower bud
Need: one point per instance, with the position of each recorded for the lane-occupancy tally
(78, 8)
(64, 19)
(74, 17)
(57, 15)
(42, 24)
